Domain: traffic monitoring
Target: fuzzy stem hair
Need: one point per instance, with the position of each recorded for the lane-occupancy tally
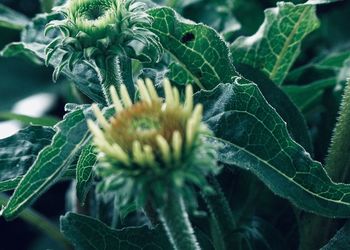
(222, 216)
(175, 220)
(111, 75)
(338, 160)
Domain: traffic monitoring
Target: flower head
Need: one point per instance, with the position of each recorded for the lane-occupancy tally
(92, 29)
(152, 144)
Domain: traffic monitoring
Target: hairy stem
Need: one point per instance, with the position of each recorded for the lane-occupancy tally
(338, 160)
(222, 216)
(115, 70)
(175, 220)
(41, 223)
(151, 214)
(337, 166)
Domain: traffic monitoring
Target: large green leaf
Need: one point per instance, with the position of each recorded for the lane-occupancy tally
(275, 46)
(306, 96)
(87, 160)
(29, 120)
(28, 51)
(18, 152)
(326, 66)
(198, 48)
(296, 123)
(251, 135)
(50, 164)
(11, 19)
(88, 233)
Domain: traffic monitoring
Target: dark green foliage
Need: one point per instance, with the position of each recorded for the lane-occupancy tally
(271, 78)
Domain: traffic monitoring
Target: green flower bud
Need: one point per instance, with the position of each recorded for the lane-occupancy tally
(152, 145)
(98, 29)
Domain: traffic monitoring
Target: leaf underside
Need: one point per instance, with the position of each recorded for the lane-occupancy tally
(18, 152)
(251, 135)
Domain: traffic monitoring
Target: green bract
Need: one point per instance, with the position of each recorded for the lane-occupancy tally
(153, 145)
(99, 29)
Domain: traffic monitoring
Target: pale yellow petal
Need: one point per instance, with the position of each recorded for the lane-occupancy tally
(152, 90)
(143, 91)
(169, 98)
(138, 155)
(100, 117)
(176, 95)
(150, 159)
(189, 99)
(164, 148)
(118, 106)
(125, 96)
(177, 145)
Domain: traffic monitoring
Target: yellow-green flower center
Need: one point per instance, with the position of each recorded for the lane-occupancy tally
(94, 16)
(143, 122)
(150, 132)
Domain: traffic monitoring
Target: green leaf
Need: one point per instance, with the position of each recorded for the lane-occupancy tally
(198, 48)
(341, 240)
(33, 45)
(88, 233)
(50, 164)
(322, 1)
(275, 46)
(334, 60)
(296, 123)
(223, 221)
(18, 152)
(29, 120)
(25, 50)
(177, 74)
(11, 19)
(306, 96)
(251, 135)
(325, 66)
(87, 160)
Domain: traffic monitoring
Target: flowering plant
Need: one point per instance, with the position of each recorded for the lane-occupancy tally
(180, 133)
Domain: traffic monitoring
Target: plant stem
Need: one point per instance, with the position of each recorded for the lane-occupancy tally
(175, 220)
(338, 160)
(222, 216)
(337, 166)
(41, 223)
(115, 70)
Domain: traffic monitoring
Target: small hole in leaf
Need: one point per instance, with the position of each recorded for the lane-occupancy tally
(188, 37)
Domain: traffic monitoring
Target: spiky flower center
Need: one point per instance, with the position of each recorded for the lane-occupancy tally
(93, 16)
(94, 12)
(143, 122)
(150, 132)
